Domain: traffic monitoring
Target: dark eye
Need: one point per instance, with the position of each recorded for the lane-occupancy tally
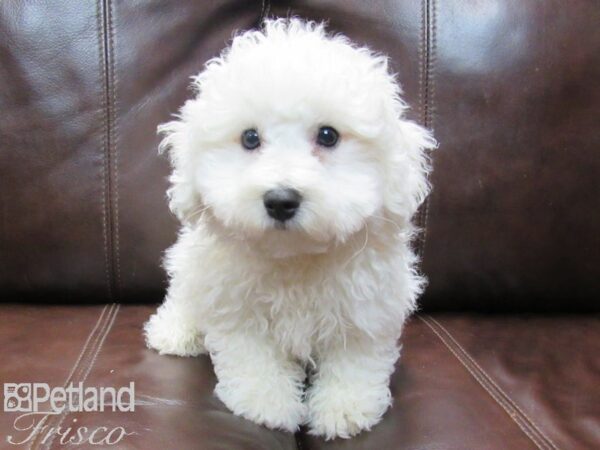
(327, 136)
(250, 139)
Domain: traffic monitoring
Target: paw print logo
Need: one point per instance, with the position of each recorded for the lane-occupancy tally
(17, 397)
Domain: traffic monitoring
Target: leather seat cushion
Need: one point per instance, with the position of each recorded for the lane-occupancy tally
(464, 381)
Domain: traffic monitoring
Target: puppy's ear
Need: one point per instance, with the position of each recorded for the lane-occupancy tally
(407, 169)
(184, 201)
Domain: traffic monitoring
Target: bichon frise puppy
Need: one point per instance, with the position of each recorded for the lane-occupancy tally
(295, 177)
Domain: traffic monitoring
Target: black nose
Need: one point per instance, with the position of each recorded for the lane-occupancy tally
(282, 204)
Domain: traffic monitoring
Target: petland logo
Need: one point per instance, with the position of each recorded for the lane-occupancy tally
(39, 404)
(30, 397)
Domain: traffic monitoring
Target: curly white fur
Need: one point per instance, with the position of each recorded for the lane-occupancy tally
(329, 293)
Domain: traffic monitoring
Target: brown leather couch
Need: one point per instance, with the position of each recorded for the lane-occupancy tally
(505, 353)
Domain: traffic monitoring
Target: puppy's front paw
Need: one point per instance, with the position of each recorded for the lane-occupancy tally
(173, 337)
(274, 403)
(336, 409)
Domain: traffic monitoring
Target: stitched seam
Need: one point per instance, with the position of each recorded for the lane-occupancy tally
(519, 421)
(114, 144)
(430, 105)
(422, 101)
(481, 383)
(87, 342)
(432, 63)
(431, 45)
(423, 53)
(94, 351)
(76, 367)
(105, 169)
(532, 424)
(99, 342)
(108, 329)
(108, 143)
(58, 418)
(421, 50)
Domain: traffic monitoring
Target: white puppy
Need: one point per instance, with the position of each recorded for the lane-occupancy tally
(295, 177)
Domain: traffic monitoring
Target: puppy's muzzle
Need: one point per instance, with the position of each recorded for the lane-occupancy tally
(282, 203)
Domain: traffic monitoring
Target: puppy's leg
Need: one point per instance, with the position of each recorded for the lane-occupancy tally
(350, 390)
(173, 329)
(256, 380)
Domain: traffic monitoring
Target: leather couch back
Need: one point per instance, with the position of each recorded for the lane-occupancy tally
(509, 87)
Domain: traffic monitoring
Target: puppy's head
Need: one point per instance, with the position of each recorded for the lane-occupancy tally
(295, 141)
